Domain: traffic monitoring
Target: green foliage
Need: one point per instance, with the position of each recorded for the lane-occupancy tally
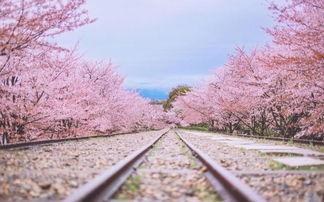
(156, 146)
(207, 194)
(130, 188)
(311, 168)
(280, 166)
(187, 152)
(156, 102)
(242, 149)
(175, 92)
(277, 154)
(198, 127)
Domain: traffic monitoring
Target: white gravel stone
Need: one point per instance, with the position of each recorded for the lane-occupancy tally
(299, 161)
(52, 172)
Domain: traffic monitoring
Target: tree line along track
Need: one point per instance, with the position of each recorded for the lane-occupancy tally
(104, 187)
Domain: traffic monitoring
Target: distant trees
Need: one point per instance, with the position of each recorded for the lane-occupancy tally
(47, 91)
(274, 90)
(172, 116)
(174, 93)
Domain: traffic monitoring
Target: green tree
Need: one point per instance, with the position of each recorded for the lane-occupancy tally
(174, 93)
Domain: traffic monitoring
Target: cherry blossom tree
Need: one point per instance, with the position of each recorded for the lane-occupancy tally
(277, 89)
(47, 91)
(299, 39)
(64, 96)
(28, 24)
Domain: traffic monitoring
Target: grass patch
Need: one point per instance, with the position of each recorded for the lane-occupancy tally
(193, 164)
(207, 194)
(19, 149)
(260, 154)
(280, 166)
(196, 128)
(277, 155)
(193, 160)
(96, 138)
(311, 167)
(274, 165)
(184, 149)
(156, 146)
(316, 147)
(242, 149)
(130, 189)
(142, 165)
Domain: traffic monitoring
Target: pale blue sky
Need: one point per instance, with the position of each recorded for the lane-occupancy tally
(159, 44)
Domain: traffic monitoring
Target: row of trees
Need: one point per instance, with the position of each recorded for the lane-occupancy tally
(277, 89)
(47, 91)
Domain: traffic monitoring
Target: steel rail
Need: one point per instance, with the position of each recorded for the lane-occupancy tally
(105, 185)
(51, 141)
(229, 187)
(314, 142)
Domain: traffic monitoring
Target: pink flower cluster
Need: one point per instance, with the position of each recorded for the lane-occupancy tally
(277, 89)
(49, 92)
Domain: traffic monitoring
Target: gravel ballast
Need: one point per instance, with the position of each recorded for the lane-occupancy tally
(229, 157)
(288, 187)
(170, 173)
(53, 171)
(273, 181)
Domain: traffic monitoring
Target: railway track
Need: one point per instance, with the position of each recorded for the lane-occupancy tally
(104, 186)
(165, 172)
(277, 172)
(52, 172)
(173, 166)
(230, 187)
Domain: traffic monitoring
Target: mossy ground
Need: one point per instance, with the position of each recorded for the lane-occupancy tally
(280, 166)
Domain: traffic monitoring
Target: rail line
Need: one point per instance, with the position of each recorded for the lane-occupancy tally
(227, 185)
(294, 140)
(51, 141)
(268, 177)
(104, 186)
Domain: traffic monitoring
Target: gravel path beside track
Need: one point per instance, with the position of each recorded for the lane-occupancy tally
(266, 141)
(170, 173)
(272, 186)
(229, 157)
(52, 172)
(287, 187)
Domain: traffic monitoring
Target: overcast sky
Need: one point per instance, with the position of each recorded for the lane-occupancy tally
(159, 44)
